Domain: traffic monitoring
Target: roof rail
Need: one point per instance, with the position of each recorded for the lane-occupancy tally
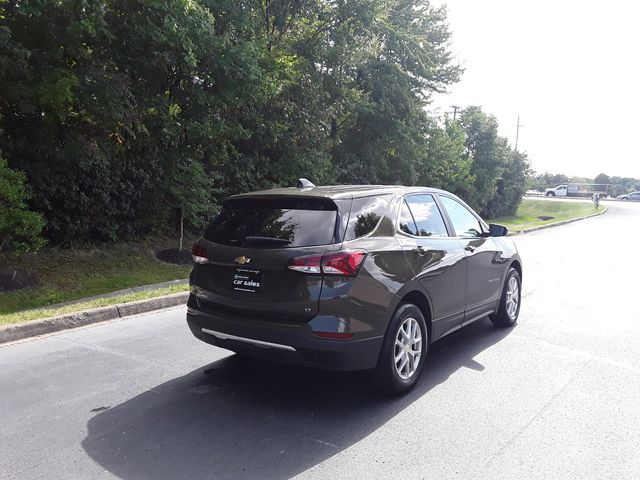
(304, 183)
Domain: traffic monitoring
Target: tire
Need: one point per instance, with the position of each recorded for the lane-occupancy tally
(624, 199)
(507, 314)
(551, 194)
(388, 377)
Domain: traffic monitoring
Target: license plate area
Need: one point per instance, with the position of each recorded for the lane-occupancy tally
(245, 280)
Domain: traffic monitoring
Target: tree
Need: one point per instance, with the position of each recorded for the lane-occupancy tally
(448, 166)
(126, 114)
(602, 179)
(104, 101)
(481, 147)
(546, 180)
(511, 184)
(189, 192)
(19, 228)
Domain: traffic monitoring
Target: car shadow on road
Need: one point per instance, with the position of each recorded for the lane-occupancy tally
(242, 418)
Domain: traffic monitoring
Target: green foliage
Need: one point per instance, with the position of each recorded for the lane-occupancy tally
(546, 180)
(499, 172)
(126, 114)
(602, 178)
(511, 184)
(448, 166)
(622, 185)
(19, 227)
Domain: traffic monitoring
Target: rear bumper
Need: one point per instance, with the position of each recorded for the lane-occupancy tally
(286, 343)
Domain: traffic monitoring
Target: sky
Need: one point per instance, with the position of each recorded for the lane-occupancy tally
(570, 69)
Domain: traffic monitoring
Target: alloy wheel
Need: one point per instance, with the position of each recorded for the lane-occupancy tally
(408, 348)
(513, 298)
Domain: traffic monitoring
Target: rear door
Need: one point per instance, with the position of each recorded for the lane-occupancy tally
(249, 246)
(485, 265)
(437, 259)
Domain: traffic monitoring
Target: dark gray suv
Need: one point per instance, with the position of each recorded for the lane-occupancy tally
(349, 277)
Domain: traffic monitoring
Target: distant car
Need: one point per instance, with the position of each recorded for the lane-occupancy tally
(633, 196)
(585, 190)
(349, 277)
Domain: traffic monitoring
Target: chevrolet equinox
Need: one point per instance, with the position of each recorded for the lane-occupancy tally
(357, 277)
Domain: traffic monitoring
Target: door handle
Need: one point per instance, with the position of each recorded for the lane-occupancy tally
(421, 251)
(470, 248)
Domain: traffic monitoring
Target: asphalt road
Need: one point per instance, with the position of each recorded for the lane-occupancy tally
(558, 396)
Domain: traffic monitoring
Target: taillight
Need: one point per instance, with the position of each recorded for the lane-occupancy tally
(308, 264)
(344, 263)
(199, 253)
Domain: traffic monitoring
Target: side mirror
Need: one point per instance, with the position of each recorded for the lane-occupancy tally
(497, 230)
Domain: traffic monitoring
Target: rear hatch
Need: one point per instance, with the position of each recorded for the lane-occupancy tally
(249, 246)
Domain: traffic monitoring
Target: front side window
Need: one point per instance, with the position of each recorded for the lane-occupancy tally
(427, 216)
(464, 222)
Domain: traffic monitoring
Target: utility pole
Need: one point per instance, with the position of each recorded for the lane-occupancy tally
(455, 111)
(518, 132)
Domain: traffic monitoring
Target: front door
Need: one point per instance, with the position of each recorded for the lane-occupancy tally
(485, 266)
(437, 259)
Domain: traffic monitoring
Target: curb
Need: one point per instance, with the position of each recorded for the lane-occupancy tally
(557, 224)
(10, 333)
(118, 293)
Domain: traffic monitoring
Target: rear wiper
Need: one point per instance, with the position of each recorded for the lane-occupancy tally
(281, 241)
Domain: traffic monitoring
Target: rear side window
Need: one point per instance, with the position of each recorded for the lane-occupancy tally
(366, 212)
(406, 222)
(274, 223)
(427, 216)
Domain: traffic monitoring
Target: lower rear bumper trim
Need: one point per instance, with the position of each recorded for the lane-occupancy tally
(260, 343)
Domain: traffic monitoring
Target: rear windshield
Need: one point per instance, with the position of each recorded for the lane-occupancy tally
(366, 212)
(274, 223)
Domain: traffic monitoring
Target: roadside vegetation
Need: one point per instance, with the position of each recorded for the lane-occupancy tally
(128, 122)
(61, 275)
(25, 316)
(534, 213)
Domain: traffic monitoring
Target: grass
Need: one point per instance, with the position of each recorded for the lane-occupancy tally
(530, 209)
(26, 315)
(66, 275)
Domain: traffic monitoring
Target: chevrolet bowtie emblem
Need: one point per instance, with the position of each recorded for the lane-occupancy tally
(241, 260)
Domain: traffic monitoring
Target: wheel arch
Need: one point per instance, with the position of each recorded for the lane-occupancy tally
(518, 266)
(422, 302)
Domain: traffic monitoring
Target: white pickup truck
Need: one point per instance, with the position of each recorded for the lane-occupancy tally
(578, 190)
